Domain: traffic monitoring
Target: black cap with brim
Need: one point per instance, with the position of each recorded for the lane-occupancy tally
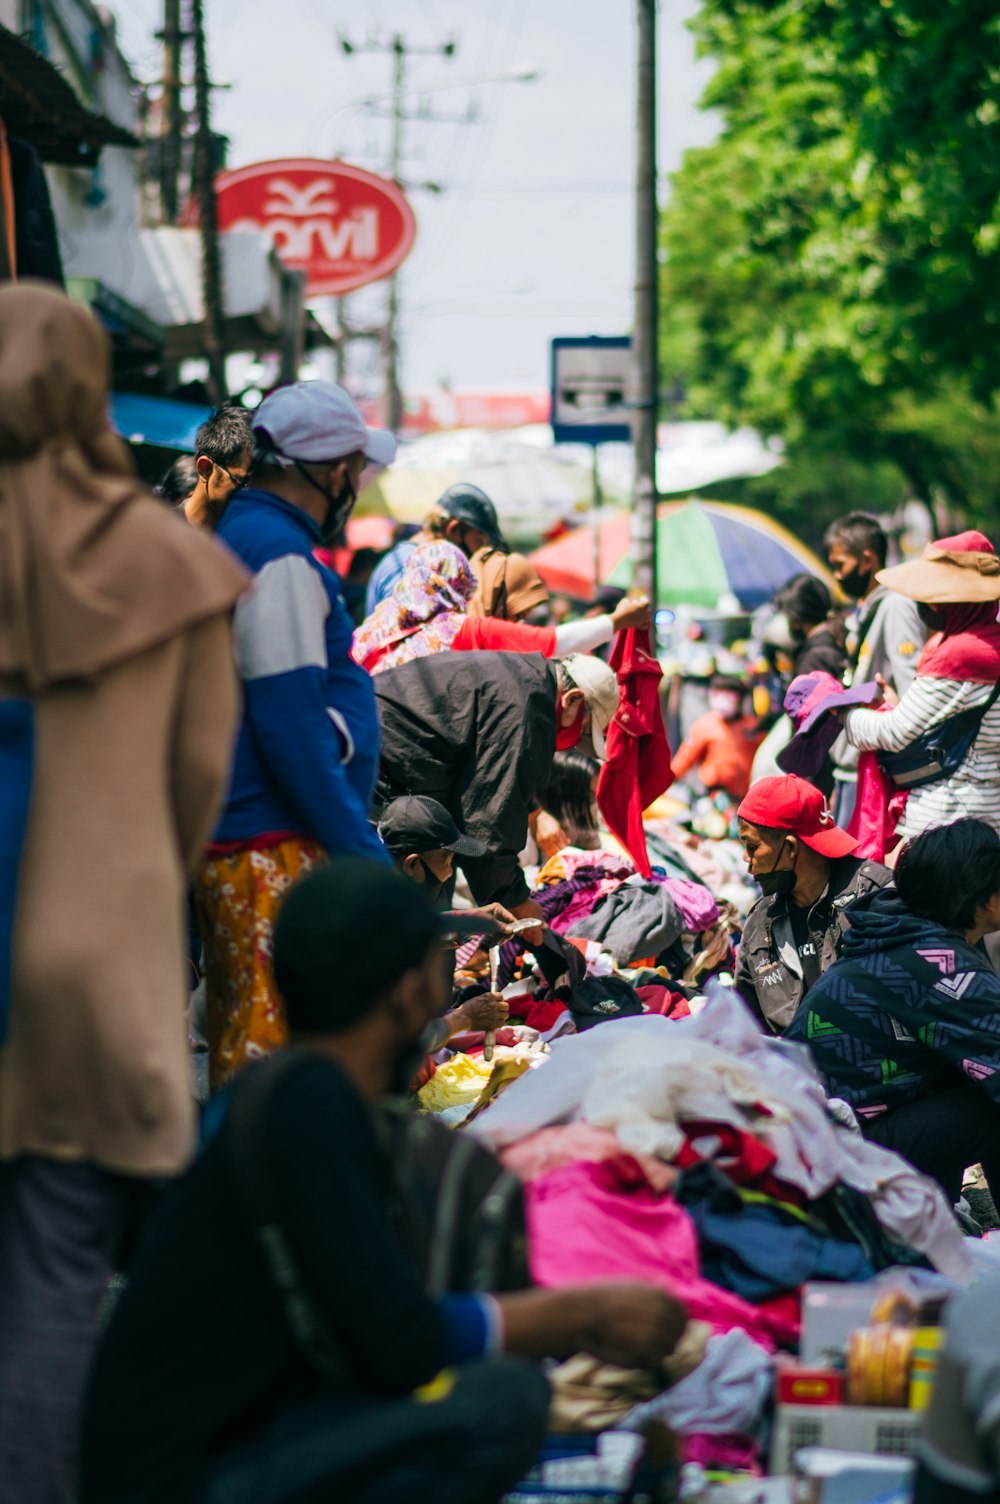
(349, 931)
(416, 822)
(467, 503)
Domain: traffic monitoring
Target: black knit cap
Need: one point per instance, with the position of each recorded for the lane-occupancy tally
(346, 933)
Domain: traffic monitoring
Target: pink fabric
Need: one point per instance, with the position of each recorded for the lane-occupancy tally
(695, 902)
(730, 1453)
(582, 904)
(592, 1222)
(878, 810)
(577, 1143)
(571, 858)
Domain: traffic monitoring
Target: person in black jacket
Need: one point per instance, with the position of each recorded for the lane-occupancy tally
(818, 631)
(477, 732)
(809, 877)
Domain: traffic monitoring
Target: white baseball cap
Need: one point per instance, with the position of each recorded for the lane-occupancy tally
(313, 421)
(600, 690)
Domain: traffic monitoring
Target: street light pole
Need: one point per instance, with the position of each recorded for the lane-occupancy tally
(646, 328)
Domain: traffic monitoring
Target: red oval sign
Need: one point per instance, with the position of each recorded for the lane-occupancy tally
(342, 226)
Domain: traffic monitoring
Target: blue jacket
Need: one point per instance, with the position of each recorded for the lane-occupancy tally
(307, 752)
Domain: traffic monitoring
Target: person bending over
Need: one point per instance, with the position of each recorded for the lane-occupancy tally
(906, 1026)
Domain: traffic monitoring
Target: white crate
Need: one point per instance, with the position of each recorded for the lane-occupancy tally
(843, 1428)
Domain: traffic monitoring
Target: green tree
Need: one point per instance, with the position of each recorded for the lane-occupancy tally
(831, 262)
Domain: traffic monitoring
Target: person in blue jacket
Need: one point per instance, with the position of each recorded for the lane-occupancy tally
(308, 747)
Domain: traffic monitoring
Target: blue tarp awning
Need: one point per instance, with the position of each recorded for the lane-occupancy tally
(157, 420)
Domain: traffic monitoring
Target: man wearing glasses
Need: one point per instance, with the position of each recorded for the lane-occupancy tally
(223, 453)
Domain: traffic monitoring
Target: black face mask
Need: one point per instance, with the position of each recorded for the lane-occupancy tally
(855, 584)
(933, 620)
(777, 883)
(338, 509)
(433, 885)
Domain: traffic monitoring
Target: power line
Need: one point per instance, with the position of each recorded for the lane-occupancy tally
(400, 50)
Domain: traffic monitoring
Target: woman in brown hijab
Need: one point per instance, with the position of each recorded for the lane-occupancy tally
(116, 669)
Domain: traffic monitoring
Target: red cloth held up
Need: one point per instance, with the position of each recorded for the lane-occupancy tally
(637, 760)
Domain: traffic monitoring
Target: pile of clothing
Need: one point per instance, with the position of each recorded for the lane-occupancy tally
(704, 1157)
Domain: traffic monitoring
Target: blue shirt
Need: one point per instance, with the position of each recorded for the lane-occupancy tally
(385, 574)
(308, 746)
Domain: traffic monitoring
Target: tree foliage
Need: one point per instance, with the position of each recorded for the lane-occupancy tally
(832, 262)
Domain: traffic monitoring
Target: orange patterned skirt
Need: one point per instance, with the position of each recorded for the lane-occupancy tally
(238, 898)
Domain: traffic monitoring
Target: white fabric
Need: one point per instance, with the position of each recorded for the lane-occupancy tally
(583, 636)
(639, 1076)
(280, 623)
(725, 1395)
(973, 790)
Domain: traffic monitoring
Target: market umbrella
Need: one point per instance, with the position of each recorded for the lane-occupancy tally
(532, 483)
(705, 550)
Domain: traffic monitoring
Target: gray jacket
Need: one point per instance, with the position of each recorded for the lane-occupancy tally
(884, 636)
(768, 970)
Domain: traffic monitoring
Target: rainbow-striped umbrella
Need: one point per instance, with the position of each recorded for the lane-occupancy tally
(705, 550)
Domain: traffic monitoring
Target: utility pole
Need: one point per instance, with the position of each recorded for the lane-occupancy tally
(171, 114)
(203, 192)
(645, 342)
(400, 50)
(393, 396)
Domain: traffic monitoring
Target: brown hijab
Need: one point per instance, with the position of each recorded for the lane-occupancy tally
(508, 586)
(93, 570)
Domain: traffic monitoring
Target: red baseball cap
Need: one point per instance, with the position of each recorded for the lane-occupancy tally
(794, 805)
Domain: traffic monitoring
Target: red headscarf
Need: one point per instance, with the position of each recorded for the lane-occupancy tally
(968, 648)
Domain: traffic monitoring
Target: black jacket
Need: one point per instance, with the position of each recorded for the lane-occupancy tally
(476, 731)
(768, 971)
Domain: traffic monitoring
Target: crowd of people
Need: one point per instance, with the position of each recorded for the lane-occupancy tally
(405, 853)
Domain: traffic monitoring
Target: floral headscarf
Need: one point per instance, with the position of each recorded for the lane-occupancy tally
(424, 612)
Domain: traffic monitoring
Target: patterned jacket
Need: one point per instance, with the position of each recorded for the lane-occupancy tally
(910, 1009)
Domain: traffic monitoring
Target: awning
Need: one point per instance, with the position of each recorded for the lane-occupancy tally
(157, 421)
(39, 106)
(137, 339)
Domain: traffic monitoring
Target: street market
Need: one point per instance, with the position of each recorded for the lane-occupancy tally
(499, 829)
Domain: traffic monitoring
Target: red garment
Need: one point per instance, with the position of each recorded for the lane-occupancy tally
(536, 1014)
(637, 757)
(494, 635)
(969, 647)
(657, 999)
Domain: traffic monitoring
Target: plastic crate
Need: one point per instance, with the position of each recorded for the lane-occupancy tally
(842, 1428)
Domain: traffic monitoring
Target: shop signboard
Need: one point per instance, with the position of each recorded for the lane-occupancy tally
(344, 227)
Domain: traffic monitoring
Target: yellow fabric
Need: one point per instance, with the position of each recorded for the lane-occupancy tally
(457, 1083)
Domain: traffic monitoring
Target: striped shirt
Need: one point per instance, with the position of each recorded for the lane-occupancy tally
(973, 790)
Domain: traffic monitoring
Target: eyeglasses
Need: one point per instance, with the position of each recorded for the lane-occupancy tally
(239, 481)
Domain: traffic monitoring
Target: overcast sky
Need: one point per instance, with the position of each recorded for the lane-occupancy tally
(533, 235)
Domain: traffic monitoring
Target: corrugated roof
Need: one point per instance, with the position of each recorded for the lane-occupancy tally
(39, 106)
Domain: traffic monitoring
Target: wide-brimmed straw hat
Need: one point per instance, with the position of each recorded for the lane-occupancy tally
(963, 568)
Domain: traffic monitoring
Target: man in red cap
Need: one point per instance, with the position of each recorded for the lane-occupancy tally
(809, 877)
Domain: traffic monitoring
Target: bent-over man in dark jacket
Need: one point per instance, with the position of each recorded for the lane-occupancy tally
(477, 732)
(809, 877)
